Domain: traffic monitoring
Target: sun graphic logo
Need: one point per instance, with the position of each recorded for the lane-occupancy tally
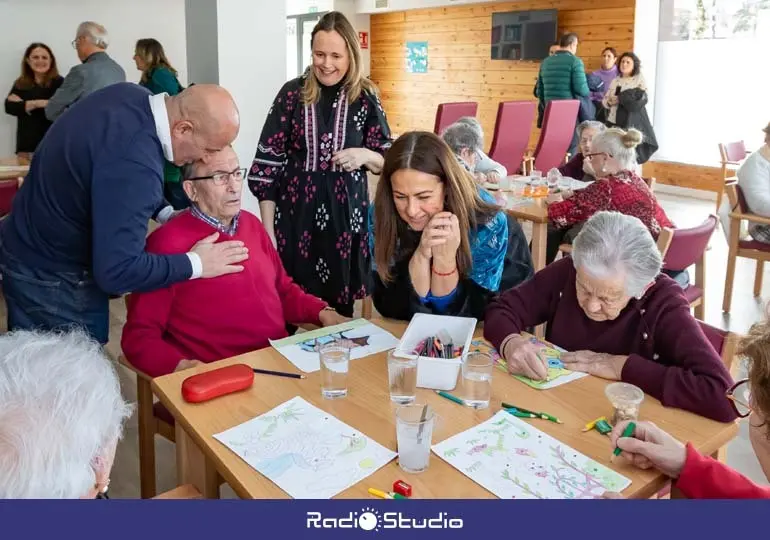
(369, 520)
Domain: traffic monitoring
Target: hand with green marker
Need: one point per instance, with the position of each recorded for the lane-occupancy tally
(650, 447)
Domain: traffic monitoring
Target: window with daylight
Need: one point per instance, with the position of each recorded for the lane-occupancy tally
(712, 81)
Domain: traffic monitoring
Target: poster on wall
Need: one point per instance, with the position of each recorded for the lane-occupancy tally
(416, 56)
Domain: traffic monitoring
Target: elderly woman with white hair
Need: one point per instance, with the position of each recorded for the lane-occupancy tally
(617, 188)
(579, 167)
(619, 316)
(466, 139)
(61, 416)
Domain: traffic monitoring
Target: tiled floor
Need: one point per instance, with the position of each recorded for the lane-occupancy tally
(684, 212)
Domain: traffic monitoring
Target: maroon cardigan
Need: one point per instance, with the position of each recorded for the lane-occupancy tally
(574, 167)
(669, 357)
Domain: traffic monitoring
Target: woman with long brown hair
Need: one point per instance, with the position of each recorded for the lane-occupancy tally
(325, 129)
(440, 243)
(38, 81)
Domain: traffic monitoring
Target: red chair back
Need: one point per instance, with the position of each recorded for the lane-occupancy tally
(449, 113)
(558, 129)
(715, 336)
(8, 189)
(735, 151)
(512, 129)
(688, 245)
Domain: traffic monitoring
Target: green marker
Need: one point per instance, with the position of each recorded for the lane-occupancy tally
(396, 495)
(450, 397)
(628, 432)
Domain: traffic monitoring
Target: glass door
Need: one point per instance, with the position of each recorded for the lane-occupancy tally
(298, 51)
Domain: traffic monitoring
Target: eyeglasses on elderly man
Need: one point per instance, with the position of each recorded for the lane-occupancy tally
(205, 320)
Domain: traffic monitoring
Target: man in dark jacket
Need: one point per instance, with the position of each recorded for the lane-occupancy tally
(563, 75)
(78, 227)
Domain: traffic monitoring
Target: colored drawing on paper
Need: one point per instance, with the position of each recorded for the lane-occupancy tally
(362, 337)
(305, 451)
(514, 460)
(557, 373)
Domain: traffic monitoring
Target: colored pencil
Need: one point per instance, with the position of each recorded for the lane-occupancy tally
(278, 373)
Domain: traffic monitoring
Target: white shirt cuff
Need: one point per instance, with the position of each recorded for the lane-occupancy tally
(197, 264)
(165, 214)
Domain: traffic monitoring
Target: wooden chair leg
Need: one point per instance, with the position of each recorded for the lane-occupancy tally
(735, 231)
(366, 308)
(146, 439)
(720, 194)
(700, 310)
(721, 454)
(700, 281)
(758, 275)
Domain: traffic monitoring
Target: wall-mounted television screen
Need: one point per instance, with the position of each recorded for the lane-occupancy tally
(523, 35)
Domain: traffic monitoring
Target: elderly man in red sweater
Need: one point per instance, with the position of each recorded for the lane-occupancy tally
(618, 316)
(206, 320)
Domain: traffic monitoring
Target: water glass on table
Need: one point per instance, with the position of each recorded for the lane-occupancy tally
(536, 178)
(335, 362)
(477, 380)
(553, 179)
(414, 433)
(402, 377)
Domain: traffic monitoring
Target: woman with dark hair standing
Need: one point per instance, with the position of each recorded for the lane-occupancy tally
(440, 243)
(325, 130)
(626, 104)
(38, 81)
(159, 76)
(607, 73)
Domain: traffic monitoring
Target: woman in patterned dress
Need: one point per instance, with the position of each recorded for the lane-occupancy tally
(323, 132)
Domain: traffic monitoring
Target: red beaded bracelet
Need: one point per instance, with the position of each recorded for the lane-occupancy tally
(443, 275)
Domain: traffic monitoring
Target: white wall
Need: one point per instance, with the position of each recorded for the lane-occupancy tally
(646, 31)
(247, 30)
(54, 23)
(300, 7)
(367, 6)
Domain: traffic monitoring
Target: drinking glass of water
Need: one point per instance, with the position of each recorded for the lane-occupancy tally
(402, 377)
(335, 361)
(553, 179)
(414, 432)
(536, 178)
(477, 380)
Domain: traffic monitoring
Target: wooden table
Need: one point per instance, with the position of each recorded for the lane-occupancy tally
(368, 408)
(535, 212)
(13, 168)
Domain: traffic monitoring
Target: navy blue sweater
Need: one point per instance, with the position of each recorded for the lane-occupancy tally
(93, 185)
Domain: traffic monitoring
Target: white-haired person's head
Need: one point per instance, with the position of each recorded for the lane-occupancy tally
(616, 259)
(614, 150)
(90, 37)
(466, 139)
(61, 416)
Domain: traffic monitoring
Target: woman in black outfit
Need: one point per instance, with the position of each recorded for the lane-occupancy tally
(27, 99)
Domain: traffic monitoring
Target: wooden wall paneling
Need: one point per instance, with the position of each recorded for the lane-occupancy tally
(459, 65)
(685, 175)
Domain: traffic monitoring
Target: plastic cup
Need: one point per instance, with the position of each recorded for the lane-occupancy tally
(626, 400)
(402, 378)
(414, 432)
(335, 362)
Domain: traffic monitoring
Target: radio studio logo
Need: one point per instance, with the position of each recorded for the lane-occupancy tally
(371, 519)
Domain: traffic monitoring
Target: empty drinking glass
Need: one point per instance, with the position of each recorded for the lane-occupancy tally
(402, 377)
(536, 178)
(477, 380)
(335, 361)
(414, 432)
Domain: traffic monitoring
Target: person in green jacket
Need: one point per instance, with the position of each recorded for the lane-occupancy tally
(159, 76)
(563, 76)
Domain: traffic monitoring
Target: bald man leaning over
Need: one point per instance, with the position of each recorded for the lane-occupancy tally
(78, 226)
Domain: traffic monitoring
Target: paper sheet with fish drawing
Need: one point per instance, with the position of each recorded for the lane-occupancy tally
(557, 373)
(515, 460)
(363, 338)
(305, 451)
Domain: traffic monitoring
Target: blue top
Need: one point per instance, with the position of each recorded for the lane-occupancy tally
(94, 183)
(489, 242)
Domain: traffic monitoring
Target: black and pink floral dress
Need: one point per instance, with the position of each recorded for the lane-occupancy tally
(321, 225)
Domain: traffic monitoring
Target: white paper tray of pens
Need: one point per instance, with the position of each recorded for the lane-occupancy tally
(441, 343)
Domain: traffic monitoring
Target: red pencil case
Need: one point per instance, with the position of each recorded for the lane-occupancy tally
(217, 382)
